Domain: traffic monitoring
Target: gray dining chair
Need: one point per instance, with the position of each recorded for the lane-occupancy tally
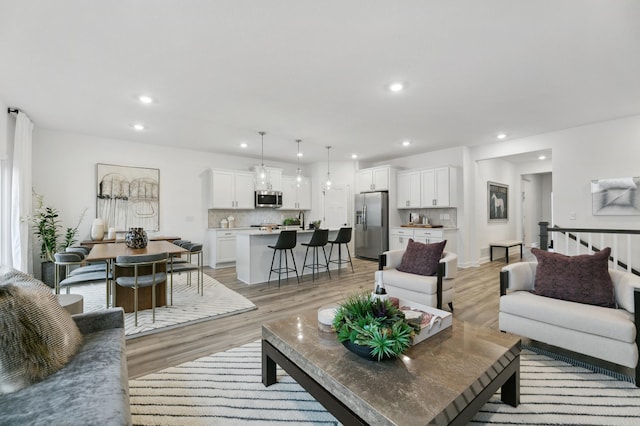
(140, 279)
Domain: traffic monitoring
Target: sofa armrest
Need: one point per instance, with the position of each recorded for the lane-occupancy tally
(390, 259)
(624, 285)
(106, 319)
(450, 262)
(517, 276)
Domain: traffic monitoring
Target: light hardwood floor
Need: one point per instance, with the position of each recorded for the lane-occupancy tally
(476, 300)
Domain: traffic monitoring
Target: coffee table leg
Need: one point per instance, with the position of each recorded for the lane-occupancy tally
(268, 367)
(510, 391)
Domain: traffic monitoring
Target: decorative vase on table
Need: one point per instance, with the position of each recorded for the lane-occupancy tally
(97, 229)
(136, 238)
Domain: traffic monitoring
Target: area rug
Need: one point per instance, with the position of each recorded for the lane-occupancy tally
(188, 306)
(226, 389)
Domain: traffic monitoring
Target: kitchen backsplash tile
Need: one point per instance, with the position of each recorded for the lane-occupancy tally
(253, 217)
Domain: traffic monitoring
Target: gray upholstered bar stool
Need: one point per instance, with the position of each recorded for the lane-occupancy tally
(287, 240)
(319, 239)
(343, 237)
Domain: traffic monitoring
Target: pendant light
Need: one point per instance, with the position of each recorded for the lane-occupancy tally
(327, 185)
(298, 170)
(262, 177)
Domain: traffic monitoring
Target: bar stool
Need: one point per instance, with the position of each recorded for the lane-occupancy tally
(286, 241)
(319, 238)
(343, 237)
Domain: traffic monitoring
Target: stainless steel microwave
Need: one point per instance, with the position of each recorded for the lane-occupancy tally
(269, 199)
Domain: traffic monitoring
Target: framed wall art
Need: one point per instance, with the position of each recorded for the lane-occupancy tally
(497, 202)
(615, 197)
(128, 197)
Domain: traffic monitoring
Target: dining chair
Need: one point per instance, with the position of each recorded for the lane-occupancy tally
(141, 279)
(195, 249)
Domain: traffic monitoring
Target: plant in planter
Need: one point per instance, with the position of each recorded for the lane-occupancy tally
(46, 227)
(372, 327)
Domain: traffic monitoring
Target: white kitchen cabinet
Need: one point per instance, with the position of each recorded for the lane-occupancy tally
(408, 189)
(399, 237)
(439, 187)
(296, 196)
(274, 179)
(373, 179)
(232, 189)
(222, 244)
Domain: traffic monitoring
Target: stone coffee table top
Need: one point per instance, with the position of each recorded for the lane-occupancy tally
(432, 382)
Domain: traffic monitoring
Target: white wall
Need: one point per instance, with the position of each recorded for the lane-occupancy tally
(64, 170)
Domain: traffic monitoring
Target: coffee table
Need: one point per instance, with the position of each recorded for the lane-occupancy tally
(445, 379)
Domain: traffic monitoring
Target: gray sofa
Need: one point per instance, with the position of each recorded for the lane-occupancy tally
(610, 334)
(92, 389)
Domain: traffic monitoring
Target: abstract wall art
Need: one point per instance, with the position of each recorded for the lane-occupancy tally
(615, 197)
(128, 197)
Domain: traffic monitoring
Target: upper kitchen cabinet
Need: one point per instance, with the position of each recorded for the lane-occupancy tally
(408, 191)
(296, 196)
(273, 181)
(232, 189)
(373, 179)
(439, 187)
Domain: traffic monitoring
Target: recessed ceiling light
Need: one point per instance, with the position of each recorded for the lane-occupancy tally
(501, 136)
(542, 157)
(406, 143)
(396, 87)
(139, 127)
(299, 154)
(354, 156)
(243, 145)
(145, 99)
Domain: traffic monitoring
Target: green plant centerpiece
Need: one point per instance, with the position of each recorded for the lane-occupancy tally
(372, 327)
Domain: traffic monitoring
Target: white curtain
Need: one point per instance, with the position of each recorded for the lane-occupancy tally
(15, 200)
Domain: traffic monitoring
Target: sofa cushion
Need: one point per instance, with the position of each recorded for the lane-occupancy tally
(421, 259)
(37, 336)
(582, 278)
(611, 323)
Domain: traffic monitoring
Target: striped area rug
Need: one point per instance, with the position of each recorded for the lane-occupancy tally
(188, 306)
(226, 389)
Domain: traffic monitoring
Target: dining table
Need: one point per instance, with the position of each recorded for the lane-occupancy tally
(124, 296)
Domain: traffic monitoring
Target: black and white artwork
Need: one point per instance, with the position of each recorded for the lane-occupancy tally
(128, 197)
(615, 197)
(498, 202)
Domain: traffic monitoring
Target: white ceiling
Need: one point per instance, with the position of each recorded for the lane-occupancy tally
(222, 70)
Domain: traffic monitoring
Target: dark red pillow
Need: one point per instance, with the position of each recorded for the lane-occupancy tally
(421, 259)
(583, 278)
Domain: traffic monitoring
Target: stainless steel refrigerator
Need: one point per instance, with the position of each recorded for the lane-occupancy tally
(371, 224)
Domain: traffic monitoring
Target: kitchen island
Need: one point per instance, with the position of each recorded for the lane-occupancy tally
(253, 256)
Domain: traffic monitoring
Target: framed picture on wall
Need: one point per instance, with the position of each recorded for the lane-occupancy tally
(128, 197)
(497, 202)
(615, 197)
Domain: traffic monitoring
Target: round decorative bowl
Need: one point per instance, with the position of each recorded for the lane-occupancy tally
(136, 238)
(363, 351)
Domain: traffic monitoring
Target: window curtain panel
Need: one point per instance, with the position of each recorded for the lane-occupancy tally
(15, 200)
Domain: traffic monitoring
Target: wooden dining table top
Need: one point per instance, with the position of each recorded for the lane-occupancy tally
(112, 250)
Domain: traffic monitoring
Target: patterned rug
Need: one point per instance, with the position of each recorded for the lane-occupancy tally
(226, 389)
(188, 305)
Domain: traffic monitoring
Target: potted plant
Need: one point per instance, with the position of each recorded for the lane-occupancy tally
(47, 229)
(373, 327)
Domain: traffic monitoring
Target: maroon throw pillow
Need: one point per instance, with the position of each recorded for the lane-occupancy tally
(422, 259)
(583, 278)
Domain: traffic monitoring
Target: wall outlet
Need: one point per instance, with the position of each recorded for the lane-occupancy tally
(572, 215)
(444, 216)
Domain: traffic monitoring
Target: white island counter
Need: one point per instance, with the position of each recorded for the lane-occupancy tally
(253, 256)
